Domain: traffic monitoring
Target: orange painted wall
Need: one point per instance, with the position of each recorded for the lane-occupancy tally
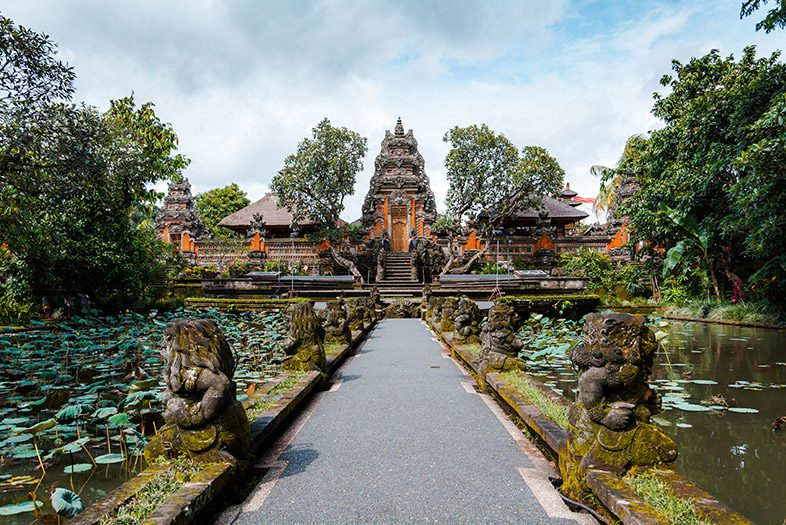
(385, 213)
(620, 239)
(473, 243)
(543, 243)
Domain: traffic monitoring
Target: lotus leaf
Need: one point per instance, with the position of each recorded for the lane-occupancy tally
(106, 459)
(19, 508)
(66, 503)
(40, 427)
(105, 412)
(75, 446)
(742, 410)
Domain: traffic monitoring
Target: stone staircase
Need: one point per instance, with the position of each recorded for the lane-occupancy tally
(398, 271)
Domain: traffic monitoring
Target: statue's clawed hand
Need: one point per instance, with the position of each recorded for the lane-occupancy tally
(620, 416)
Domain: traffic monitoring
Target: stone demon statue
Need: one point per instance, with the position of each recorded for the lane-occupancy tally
(609, 426)
(355, 314)
(304, 348)
(337, 322)
(466, 319)
(203, 417)
(448, 309)
(500, 344)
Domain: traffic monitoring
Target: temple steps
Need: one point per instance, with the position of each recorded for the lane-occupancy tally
(398, 270)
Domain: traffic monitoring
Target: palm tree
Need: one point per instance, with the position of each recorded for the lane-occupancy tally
(611, 179)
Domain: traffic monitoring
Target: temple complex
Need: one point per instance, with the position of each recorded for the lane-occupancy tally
(399, 203)
(399, 206)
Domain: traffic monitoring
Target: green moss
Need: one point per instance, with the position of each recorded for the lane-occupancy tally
(271, 397)
(138, 508)
(474, 349)
(333, 348)
(551, 409)
(662, 498)
(549, 298)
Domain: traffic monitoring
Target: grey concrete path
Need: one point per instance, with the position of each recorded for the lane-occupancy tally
(402, 437)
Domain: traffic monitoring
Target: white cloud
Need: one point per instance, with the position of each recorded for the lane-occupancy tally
(243, 82)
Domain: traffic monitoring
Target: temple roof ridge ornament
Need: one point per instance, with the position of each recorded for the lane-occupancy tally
(399, 129)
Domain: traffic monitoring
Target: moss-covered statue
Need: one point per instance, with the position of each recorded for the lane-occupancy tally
(609, 426)
(446, 315)
(337, 322)
(466, 319)
(501, 347)
(426, 295)
(305, 345)
(369, 310)
(355, 315)
(435, 309)
(203, 418)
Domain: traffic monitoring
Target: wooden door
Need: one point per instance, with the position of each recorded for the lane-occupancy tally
(398, 216)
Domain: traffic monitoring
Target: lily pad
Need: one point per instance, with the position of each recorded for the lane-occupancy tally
(107, 459)
(743, 410)
(76, 468)
(19, 508)
(704, 382)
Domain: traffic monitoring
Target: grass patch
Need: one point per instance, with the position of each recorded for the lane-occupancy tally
(161, 488)
(552, 410)
(268, 400)
(755, 312)
(333, 348)
(662, 498)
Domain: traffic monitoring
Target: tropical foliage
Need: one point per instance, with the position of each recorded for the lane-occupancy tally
(711, 178)
(215, 204)
(75, 207)
(487, 172)
(320, 174)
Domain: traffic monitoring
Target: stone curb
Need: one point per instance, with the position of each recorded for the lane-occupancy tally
(193, 499)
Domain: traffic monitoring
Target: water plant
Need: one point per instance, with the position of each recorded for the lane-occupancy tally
(85, 392)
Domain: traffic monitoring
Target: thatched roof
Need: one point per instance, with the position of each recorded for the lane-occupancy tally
(272, 215)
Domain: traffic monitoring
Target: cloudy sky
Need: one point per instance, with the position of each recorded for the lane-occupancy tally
(243, 81)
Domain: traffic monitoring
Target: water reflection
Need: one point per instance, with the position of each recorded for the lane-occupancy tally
(734, 454)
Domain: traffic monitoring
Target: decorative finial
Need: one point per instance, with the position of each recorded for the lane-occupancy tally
(567, 185)
(399, 128)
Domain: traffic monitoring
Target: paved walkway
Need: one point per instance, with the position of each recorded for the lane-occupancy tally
(402, 437)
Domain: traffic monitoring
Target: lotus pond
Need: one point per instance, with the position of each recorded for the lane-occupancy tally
(79, 399)
(723, 388)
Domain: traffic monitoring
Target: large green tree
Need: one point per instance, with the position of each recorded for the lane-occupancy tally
(75, 206)
(711, 178)
(317, 178)
(487, 172)
(215, 204)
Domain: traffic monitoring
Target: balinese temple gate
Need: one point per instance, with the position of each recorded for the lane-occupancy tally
(400, 203)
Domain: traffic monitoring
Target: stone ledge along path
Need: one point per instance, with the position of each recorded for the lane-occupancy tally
(403, 437)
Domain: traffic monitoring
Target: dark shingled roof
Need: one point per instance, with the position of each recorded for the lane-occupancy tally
(271, 214)
(558, 210)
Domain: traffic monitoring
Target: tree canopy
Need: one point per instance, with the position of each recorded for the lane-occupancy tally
(75, 208)
(215, 204)
(487, 172)
(775, 17)
(317, 178)
(712, 178)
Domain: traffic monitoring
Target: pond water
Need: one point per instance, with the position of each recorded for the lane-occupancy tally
(83, 397)
(732, 453)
